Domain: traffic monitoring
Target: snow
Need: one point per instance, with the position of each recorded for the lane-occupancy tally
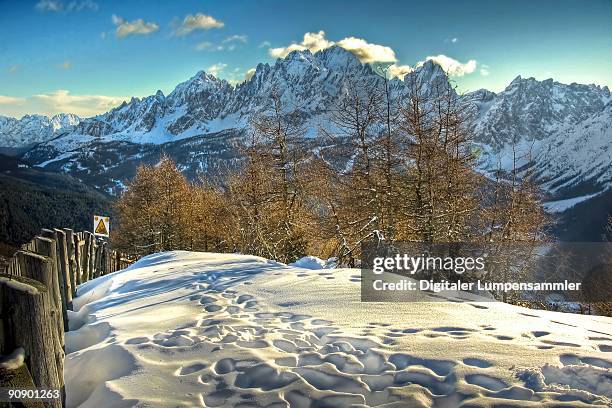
(32, 129)
(14, 360)
(562, 132)
(201, 329)
(16, 285)
(562, 205)
(312, 262)
(232, 121)
(568, 126)
(577, 382)
(58, 158)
